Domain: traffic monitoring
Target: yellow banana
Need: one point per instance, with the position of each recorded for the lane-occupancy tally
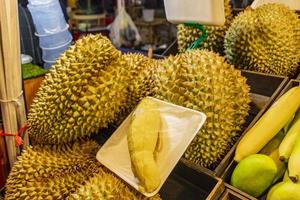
(274, 143)
(288, 125)
(269, 124)
(294, 162)
(281, 166)
(286, 147)
(286, 176)
(271, 150)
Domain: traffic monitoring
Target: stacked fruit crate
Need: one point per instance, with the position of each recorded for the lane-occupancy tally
(226, 176)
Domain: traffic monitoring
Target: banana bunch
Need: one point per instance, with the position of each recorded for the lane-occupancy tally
(273, 141)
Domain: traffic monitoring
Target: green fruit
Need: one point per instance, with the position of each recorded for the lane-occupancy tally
(288, 125)
(281, 166)
(273, 144)
(284, 191)
(203, 81)
(254, 174)
(266, 40)
(294, 162)
(186, 35)
(271, 150)
(288, 143)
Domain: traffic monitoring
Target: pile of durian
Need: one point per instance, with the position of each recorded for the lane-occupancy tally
(65, 172)
(93, 86)
(266, 39)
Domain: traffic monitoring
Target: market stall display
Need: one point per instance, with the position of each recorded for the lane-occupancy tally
(248, 148)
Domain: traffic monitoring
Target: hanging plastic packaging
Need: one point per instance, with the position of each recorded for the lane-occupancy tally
(123, 30)
(206, 12)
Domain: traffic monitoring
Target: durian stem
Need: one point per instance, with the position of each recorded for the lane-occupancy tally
(202, 37)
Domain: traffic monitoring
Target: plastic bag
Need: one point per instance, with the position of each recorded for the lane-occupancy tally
(123, 31)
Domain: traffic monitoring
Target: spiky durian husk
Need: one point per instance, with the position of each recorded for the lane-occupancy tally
(82, 93)
(265, 40)
(105, 185)
(140, 71)
(203, 81)
(215, 41)
(52, 172)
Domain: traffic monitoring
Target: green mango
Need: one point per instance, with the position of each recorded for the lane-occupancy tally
(254, 174)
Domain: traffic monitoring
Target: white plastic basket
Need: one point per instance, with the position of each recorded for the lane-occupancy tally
(207, 12)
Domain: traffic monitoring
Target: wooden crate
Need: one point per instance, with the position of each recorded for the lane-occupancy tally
(189, 182)
(230, 193)
(228, 171)
(291, 83)
(31, 86)
(171, 50)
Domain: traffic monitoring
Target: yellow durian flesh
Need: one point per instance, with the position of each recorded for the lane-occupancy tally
(142, 139)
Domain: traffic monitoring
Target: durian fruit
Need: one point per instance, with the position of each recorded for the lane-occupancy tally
(203, 81)
(106, 186)
(140, 71)
(52, 172)
(82, 93)
(186, 35)
(266, 40)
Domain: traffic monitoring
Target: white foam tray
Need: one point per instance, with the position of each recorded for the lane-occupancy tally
(180, 126)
